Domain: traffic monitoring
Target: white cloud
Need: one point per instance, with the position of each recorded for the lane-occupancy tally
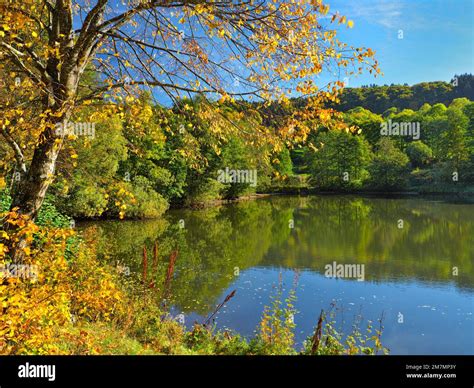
(387, 13)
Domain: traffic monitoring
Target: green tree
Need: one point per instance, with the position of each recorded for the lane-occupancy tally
(367, 121)
(283, 164)
(468, 172)
(453, 140)
(236, 156)
(389, 167)
(93, 171)
(340, 161)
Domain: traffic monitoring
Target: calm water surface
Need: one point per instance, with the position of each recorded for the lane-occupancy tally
(253, 246)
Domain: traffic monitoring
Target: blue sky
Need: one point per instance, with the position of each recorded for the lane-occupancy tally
(437, 37)
(437, 42)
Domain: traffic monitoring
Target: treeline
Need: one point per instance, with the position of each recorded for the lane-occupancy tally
(148, 158)
(142, 158)
(431, 149)
(379, 99)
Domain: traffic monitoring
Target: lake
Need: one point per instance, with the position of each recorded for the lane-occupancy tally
(417, 256)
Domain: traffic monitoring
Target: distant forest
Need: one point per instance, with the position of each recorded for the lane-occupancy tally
(379, 99)
(383, 100)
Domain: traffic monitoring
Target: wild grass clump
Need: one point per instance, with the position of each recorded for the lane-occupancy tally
(327, 340)
(276, 334)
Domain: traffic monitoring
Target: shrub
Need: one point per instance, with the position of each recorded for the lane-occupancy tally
(419, 153)
(207, 190)
(136, 199)
(34, 307)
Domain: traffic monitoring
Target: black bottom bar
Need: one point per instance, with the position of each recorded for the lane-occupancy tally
(155, 371)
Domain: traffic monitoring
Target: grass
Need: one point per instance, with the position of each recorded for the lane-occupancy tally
(98, 338)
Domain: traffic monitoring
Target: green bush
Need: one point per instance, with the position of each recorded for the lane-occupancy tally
(389, 168)
(85, 201)
(48, 215)
(207, 190)
(419, 153)
(148, 203)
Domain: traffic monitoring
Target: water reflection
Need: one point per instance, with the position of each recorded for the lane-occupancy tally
(221, 248)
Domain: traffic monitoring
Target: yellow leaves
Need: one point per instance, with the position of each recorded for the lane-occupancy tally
(3, 251)
(201, 8)
(216, 149)
(34, 34)
(130, 99)
(5, 123)
(350, 23)
(225, 97)
(312, 147)
(32, 312)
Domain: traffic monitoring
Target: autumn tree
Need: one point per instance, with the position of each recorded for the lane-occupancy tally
(226, 50)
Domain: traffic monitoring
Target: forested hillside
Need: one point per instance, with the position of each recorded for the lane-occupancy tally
(379, 99)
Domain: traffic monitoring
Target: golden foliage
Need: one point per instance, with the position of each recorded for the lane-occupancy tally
(33, 307)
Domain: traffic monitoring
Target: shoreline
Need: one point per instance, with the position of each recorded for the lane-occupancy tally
(288, 193)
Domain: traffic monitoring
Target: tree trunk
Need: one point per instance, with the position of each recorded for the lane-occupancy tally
(28, 195)
(60, 75)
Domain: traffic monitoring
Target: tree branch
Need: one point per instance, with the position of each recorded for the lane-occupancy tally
(20, 159)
